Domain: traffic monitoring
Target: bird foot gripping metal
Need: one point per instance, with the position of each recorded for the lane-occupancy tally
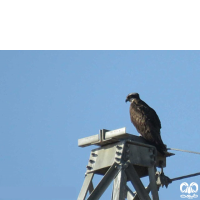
(122, 157)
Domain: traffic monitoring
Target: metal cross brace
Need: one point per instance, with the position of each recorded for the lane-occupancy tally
(120, 173)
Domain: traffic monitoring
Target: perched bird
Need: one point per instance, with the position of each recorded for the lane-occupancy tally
(146, 121)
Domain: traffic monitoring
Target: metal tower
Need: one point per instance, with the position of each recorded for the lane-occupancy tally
(122, 157)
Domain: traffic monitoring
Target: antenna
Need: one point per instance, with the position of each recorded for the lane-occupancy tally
(123, 157)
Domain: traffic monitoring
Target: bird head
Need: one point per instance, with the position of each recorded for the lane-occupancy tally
(132, 96)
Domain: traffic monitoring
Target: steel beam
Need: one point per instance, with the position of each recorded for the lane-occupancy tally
(119, 186)
(136, 182)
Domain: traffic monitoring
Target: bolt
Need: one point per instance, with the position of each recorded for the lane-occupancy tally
(94, 154)
(119, 147)
(118, 153)
(118, 159)
(88, 167)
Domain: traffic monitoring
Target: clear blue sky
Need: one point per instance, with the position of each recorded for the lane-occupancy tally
(50, 99)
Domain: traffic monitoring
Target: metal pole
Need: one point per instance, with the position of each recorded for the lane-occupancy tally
(86, 184)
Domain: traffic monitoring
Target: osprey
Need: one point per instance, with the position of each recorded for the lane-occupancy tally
(146, 121)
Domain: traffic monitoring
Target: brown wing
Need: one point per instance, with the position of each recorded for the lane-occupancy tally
(146, 121)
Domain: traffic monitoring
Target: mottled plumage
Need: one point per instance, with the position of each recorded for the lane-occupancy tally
(145, 120)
